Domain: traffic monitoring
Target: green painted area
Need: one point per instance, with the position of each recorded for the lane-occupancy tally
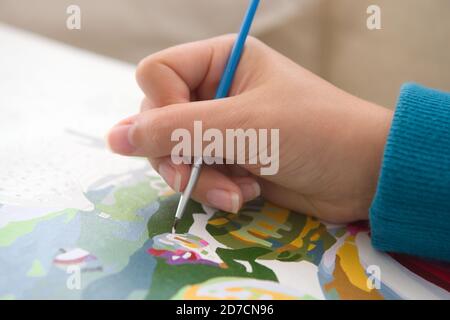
(128, 201)
(239, 232)
(99, 235)
(340, 232)
(70, 215)
(36, 270)
(162, 220)
(169, 279)
(17, 229)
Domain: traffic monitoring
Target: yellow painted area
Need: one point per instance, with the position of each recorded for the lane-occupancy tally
(311, 246)
(275, 213)
(349, 258)
(265, 225)
(240, 237)
(187, 243)
(310, 225)
(231, 216)
(218, 221)
(258, 233)
(249, 236)
(315, 236)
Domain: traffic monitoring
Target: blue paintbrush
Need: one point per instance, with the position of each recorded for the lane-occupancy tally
(222, 92)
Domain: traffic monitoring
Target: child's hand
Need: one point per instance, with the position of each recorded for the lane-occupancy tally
(331, 142)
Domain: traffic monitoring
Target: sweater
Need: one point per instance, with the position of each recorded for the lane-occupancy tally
(410, 212)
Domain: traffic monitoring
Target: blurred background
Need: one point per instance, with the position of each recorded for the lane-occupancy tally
(329, 37)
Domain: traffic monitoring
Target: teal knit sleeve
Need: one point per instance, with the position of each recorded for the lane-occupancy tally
(410, 212)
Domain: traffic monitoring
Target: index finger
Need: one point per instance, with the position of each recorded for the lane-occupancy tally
(186, 72)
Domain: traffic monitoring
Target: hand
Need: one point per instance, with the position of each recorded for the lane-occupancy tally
(331, 143)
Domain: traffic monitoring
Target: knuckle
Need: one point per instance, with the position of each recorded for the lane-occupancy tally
(145, 68)
(141, 71)
(252, 41)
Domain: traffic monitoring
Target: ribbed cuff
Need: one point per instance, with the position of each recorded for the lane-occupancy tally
(411, 209)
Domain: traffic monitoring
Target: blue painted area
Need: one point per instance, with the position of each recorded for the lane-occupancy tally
(274, 243)
(133, 230)
(137, 275)
(386, 291)
(316, 253)
(324, 278)
(96, 196)
(43, 244)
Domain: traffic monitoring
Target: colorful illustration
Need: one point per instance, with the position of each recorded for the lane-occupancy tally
(124, 250)
(184, 248)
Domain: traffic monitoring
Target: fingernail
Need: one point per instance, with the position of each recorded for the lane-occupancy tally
(170, 175)
(119, 139)
(225, 200)
(250, 191)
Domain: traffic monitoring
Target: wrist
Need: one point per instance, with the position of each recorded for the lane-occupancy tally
(366, 143)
